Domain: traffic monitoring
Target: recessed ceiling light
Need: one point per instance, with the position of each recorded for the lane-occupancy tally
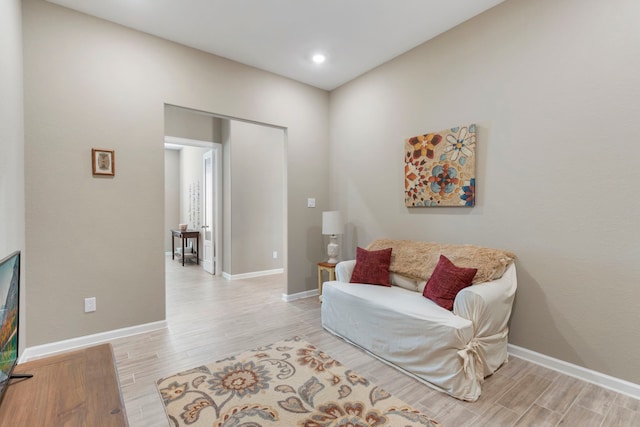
(318, 58)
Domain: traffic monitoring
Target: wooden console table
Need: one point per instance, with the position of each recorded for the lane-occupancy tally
(78, 388)
(184, 235)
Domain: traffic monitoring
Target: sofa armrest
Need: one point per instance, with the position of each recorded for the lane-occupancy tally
(344, 270)
(488, 305)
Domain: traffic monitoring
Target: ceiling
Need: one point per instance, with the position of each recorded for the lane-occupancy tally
(281, 36)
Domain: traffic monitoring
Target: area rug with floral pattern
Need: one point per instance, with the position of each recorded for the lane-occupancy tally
(288, 383)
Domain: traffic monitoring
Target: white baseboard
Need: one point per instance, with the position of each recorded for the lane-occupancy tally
(252, 274)
(299, 295)
(588, 375)
(612, 383)
(39, 351)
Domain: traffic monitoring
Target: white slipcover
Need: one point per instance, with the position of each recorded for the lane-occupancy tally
(450, 350)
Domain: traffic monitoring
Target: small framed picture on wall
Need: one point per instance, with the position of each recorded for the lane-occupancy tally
(103, 162)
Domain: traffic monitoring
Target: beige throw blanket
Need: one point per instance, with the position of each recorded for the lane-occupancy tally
(418, 259)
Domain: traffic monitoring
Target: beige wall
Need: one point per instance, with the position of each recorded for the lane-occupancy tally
(256, 197)
(554, 87)
(12, 224)
(188, 124)
(171, 195)
(191, 188)
(90, 83)
(11, 130)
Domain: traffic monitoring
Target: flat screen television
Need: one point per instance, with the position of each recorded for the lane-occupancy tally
(9, 307)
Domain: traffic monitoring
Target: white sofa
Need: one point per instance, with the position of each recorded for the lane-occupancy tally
(452, 351)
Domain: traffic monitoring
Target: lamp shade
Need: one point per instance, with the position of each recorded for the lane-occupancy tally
(332, 223)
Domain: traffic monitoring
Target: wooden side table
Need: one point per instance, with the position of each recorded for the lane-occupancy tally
(328, 267)
(184, 235)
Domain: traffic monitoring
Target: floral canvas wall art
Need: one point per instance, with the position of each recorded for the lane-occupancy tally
(439, 168)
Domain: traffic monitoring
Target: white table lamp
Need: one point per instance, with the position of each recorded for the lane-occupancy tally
(332, 226)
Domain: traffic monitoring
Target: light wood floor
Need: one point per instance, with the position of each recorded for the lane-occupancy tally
(211, 318)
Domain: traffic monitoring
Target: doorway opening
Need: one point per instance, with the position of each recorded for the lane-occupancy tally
(235, 196)
(193, 197)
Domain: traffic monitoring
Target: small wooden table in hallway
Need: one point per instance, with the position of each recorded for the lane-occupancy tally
(184, 235)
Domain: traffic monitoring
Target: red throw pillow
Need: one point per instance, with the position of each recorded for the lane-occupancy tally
(446, 281)
(372, 267)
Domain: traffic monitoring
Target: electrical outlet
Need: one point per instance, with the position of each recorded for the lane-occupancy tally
(311, 203)
(275, 254)
(89, 304)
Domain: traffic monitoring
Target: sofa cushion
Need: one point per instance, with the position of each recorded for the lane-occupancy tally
(372, 267)
(422, 284)
(446, 281)
(418, 259)
(403, 282)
